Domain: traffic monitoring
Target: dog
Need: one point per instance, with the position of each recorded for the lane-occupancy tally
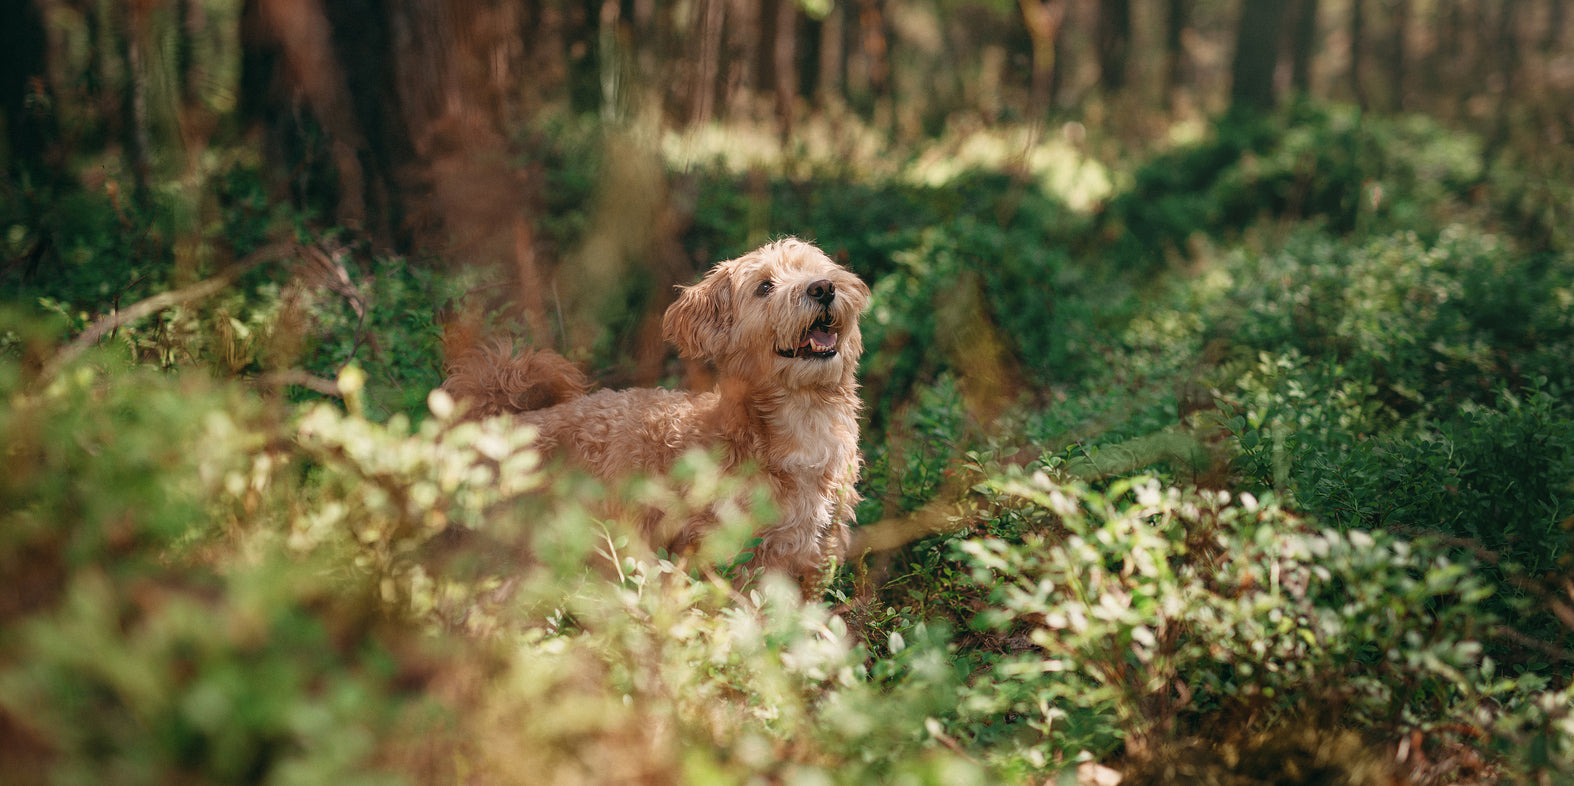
(780, 327)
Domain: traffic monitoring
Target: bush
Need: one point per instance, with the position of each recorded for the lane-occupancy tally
(220, 591)
(1166, 613)
(128, 655)
(1345, 170)
(1433, 324)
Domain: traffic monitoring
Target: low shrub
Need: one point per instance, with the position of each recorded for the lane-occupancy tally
(1164, 614)
(219, 589)
(1347, 171)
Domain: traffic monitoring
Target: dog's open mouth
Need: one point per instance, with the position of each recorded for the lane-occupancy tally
(819, 341)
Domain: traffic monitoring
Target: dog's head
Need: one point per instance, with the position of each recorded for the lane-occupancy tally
(784, 310)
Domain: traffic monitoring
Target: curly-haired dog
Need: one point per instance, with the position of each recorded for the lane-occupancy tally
(780, 325)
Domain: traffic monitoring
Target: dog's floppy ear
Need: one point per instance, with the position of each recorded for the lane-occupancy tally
(698, 322)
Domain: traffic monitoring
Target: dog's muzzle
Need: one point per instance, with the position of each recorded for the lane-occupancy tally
(819, 341)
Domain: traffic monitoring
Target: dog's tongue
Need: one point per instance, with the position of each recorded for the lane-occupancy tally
(818, 341)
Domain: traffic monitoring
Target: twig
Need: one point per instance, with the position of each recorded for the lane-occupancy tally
(302, 379)
(145, 308)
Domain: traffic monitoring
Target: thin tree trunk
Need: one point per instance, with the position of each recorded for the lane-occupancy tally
(1398, 52)
(1114, 43)
(134, 111)
(833, 59)
(1043, 19)
(1357, 50)
(1557, 22)
(1177, 70)
(871, 22)
(607, 47)
(1508, 49)
(743, 38)
(810, 36)
(23, 65)
(784, 52)
(711, 16)
(1302, 45)
(1256, 54)
(1508, 69)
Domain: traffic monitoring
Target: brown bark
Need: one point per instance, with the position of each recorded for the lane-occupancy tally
(135, 129)
(871, 24)
(711, 14)
(743, 37)
(1043, 19)
(833, 56)
(785, 76)
(296, 45)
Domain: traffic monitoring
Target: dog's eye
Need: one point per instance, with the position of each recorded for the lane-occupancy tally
(763, 289)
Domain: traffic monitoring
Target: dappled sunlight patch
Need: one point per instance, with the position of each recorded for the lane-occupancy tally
(823, 142)
(1057, 162)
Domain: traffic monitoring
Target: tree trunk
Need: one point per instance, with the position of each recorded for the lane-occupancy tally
(711, 15)
(23, 69)
(1177, 69)
(784, 51)
(811, 34)
(872, 43)
(1114, 43)
(1398, 52)
(135, 133)
(743, 42)
(1508, 61)
(1043, 19)
(363, 44)
(1357, 50)
(609, 51)
(1302, 46)
(1256, 55)
(1557, 22)
(832, 81)
(337, 58)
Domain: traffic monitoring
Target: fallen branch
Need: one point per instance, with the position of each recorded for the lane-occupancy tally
(146, 308)
(301, 379)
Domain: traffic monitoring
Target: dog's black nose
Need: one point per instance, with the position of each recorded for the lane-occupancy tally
(823, 292)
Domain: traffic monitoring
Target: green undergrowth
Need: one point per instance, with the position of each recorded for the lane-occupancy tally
(1265, 466)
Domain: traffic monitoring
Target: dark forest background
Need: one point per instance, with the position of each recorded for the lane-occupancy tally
(406, 121)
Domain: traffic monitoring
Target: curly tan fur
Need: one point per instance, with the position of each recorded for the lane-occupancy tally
(780, 325)
(494, 380)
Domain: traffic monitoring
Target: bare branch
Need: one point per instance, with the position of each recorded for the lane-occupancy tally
(145, 308)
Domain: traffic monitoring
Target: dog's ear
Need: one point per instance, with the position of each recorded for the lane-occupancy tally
(697, 323)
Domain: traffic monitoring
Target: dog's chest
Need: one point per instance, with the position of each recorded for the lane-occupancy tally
(810, 436)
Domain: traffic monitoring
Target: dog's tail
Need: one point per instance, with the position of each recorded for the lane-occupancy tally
(492, 379)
